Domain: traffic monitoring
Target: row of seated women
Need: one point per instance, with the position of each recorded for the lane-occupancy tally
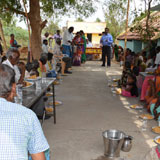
(152, 97)
(128, 83)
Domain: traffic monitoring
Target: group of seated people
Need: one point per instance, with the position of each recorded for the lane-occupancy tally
(56, 58)
(129, 82)
(50, 64)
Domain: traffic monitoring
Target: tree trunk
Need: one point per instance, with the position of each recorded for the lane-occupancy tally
(3, 38)
(147, 23)
(35, 22)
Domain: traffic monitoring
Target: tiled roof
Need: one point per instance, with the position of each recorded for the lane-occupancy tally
(136, 36)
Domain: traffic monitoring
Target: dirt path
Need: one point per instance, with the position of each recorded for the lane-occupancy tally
(88, 109)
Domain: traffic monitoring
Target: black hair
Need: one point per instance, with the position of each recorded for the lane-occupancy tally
(135, 70)
(11, 34)
(71, 28)
(35, 64)
(81, 31)
(44, 41)
(50, 56)
(4, 58)
(43, 58)
(158, 49)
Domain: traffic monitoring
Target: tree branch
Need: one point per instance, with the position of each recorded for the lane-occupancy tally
(11, 8)
(43, 24)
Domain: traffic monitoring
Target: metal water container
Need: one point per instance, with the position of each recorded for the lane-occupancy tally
(113, 141)
(127, 145)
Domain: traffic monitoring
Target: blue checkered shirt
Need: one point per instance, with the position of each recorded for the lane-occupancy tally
(20, 132)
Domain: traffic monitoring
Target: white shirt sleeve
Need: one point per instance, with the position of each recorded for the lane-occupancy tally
(157, 61)
(65, 38)
(17, 72)
(45, 48)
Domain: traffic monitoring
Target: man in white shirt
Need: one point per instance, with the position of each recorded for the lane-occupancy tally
(57, 35)
(67, 41)
(45, 46)
(21, 132)
(12, 61)
(46, 36)
(157, 61)
(89, 44)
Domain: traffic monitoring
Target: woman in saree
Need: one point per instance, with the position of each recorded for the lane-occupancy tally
(78, 42)
(153, 90)
(155, 109)
(83, 58)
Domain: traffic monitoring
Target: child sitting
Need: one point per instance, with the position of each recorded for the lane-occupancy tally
(42, 68)
(32, 69)
(126, 72)
(50, 67)
(131, 89)
(155, 109)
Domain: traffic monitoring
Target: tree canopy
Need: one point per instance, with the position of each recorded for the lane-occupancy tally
(115, 16)
(48, 7)
(36, 8)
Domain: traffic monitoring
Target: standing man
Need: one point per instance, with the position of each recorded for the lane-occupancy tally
(67, 41)
(106, 42)
(57, 35)
(20, 130)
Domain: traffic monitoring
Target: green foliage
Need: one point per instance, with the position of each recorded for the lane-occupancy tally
(51, 27)
(49, 7)
(98, 20)
(115, 16)
(143, 24)
(21, 35)
(139, 18)
(79, 19)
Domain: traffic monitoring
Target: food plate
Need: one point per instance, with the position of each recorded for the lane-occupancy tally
(118, 91)
(56, 83)
(33, 78)
(57, 103)
(150, 73)
(112, 85)
(28, 84)
(136, 106)
(116, 80)
(157, 140)
(49, 109)
(147, 116)
(49, 94)
(156, 129)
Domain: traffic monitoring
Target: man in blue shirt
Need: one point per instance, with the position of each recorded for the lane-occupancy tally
(106, 41)
(20, 130)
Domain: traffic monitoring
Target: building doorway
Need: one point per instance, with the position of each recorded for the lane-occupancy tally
(89, 36)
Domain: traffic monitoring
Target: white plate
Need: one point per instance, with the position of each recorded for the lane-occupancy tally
(137, 107)
(28, 86)
(155, 140)
(29, 80)
(153, 131)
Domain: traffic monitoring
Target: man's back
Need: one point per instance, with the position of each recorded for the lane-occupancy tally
(20, 132)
